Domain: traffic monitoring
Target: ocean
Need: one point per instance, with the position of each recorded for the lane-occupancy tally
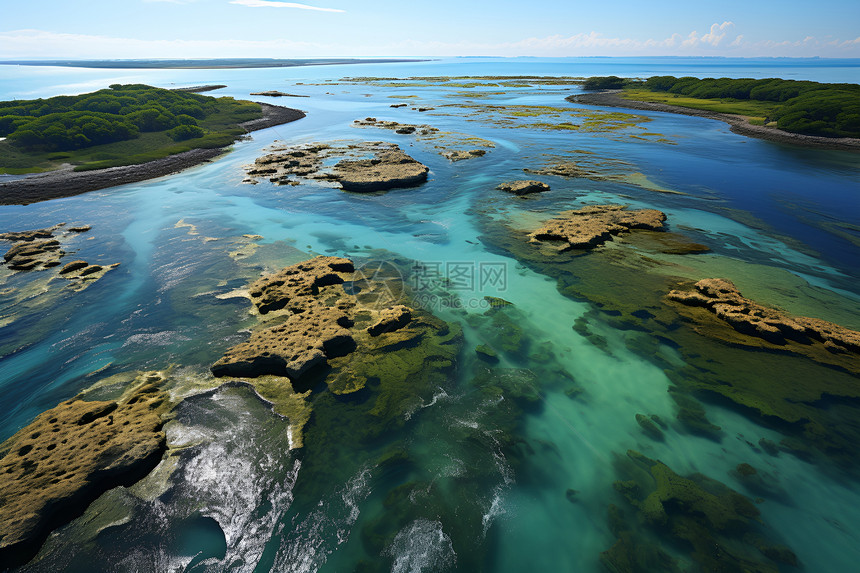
(500, 465)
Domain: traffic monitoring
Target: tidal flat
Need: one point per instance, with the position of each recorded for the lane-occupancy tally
(648, 361)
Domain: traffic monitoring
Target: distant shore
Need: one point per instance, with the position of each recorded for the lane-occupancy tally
(66, 182)
(203, 64)
(738, 123)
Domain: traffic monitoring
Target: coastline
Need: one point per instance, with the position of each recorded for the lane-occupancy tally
(66, 182)
(739, 124)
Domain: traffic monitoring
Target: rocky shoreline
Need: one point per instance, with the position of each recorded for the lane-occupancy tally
(66, 182)
(738, 123)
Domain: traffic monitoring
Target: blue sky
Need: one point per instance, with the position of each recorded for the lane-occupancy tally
(352, 28)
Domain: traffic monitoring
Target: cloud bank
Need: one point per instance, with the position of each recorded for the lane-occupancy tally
(268, 4)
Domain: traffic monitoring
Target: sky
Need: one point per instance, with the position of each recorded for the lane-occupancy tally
(116, 29)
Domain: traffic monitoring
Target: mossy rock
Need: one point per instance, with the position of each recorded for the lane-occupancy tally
(719, 527)
(648, 426)
(68, 456)
(485, 352)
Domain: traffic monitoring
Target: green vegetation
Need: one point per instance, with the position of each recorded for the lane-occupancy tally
(604, 83)
(122, 125)
(829, 110)
(757, 111)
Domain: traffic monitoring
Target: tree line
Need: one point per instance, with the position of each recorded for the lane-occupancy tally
(830, 110)
(122, 112)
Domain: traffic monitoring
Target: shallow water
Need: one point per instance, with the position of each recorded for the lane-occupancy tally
(782, 222)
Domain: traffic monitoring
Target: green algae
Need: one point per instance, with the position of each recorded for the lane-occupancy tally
(651, 429)
(812, 404)
(611, 124)
(716, 527)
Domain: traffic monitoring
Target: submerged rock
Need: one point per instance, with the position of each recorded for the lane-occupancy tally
(651, 429)
(591, 226)
(523, 187)
(68, 456)
(718, 526)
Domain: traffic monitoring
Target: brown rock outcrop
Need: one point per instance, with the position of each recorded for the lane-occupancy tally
(523, 187)
(315, 321)
(388, 169)
(722, 298)
(68, 456)
(591, 226)
(319, 315)
(19, 236)
(31, 255)
(460, 154)
(391, 319)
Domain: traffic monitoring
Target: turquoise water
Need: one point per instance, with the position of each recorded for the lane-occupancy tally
(781, 221)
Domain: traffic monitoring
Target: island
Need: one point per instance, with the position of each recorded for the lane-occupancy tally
(122, 134)
(789, 111)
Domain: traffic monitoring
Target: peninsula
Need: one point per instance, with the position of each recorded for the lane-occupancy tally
(797, 112)
(123, 134)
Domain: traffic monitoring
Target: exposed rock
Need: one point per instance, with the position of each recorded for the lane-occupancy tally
(722, 298)
(274, 93)
(590, 226)
(388, 169)
(88, 273)
(563, 169)
(399, 105)
(311, 323)
(297, 286)
(391, 319)
(316, 329)
(80, 229)
(68, 456)
(73, 266)
(402, 128)
(24, 236)
(460, 154)
(523, 187)
(426, 108)
(35, 254)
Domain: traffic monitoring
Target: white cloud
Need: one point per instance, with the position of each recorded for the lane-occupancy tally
(42, 44)
(268, 4)
(717, 33)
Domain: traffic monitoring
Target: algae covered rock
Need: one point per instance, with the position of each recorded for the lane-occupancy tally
(68, 456)
(388, 169)
(523, 187)
(719, 528)
(591, 226)
(721, 297)
(315, 330)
